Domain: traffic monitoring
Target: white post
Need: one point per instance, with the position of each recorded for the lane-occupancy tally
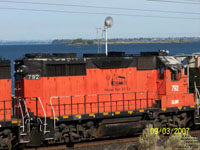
(188, 73)
(106, 42)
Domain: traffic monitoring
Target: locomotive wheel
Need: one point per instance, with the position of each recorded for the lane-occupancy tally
(172, 121)
(6, 139)
(74, 137)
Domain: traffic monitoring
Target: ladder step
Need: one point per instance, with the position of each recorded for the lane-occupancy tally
(23, 134)
(22, 141)
(49, 138)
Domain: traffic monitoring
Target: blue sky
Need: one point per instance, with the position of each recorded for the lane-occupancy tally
(29, 25)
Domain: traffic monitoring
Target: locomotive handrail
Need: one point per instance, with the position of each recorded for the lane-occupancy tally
(40, 122)
(103, 94)
(4, 108)
(26, 109)
(58, 97)
(27, 114)
(45, 115)
(5, 100)
(100, 102)
(197, 97)
(54, 115)
(96, 102)
(22, 116)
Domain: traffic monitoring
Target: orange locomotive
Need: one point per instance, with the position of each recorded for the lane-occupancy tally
(96, 96)
(5, 91)
(5, 104)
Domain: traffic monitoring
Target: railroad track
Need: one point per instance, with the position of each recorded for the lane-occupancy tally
(194, 132)
(88, 144)
(59, 147)
(101, 142)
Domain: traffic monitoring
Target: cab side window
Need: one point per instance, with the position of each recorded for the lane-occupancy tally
(175, 75)
(161, 73)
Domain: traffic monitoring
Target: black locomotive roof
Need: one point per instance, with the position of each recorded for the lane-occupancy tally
(94, 55)
(146, 61)
(158, 53)
(5, 69)
(72, 55)
(44, 56)
(65, 55)
(100, 60)
(47, 55)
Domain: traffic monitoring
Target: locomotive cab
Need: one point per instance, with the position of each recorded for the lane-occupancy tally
(173, 84)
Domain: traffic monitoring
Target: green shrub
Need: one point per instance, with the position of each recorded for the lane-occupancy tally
(147, 140)
(182, 142)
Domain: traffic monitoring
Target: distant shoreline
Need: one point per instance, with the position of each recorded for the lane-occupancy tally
(135, 42)
(126, 41)
(148, 42)
(110, 41)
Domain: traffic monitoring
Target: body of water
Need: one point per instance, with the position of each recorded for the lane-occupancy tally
(13, 52)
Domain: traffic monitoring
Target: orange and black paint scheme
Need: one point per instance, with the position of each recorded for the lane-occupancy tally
(6, 122)
(5, 91)
(83, 98)
(120, 83)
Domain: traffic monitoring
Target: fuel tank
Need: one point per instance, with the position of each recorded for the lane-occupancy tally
(125, 127)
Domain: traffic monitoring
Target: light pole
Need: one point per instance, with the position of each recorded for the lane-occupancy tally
(108, 23)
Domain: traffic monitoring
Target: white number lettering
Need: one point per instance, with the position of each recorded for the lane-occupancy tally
(29, 76)
(175, 88)
(176, 101)
(33, 76)
(37, 77)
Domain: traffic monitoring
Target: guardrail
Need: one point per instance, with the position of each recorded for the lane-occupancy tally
(5, 110)
(97, 103)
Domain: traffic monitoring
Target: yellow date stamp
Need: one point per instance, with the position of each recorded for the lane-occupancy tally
(168, 131)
